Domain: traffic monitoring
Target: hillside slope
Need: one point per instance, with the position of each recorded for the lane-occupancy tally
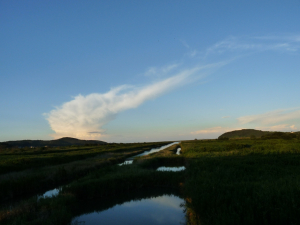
(244, 133)
(66, 141)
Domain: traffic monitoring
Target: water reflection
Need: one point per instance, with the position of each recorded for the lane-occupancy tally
(178, 151)
(127, 162)
(51, 193)
(171, 169)
(161, 206)
(130, 160)
(156, 149)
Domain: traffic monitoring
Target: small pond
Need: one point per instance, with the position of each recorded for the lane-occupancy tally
(156, 208)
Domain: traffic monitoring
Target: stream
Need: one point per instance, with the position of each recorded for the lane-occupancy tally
(151, 206)
(153, 150)
(129, 161)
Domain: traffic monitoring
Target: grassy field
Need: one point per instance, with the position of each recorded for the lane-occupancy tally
(242, 181)
(30, 171)
(102, 184)
(12, 160)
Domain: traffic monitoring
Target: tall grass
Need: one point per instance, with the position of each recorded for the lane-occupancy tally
(100, 185)
(243, 181)
(17, 184)
(21, 159)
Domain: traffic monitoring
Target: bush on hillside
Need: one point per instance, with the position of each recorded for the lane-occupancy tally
(280, 135)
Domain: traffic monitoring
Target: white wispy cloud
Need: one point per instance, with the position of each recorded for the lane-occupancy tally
(185, 44)
(290, 43)
(84, 116)
(215, 130)
(161, 71)
(277, 120)
(192, 54)
(271, 118)
(280, 127)
(286, 37)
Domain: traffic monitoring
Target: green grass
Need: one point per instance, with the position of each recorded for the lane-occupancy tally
(56, 168)
(102, 184)
(242, 147)
(21, 159)
(243, 181)
(166, 157)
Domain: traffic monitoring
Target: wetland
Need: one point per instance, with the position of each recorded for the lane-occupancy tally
(235, 181)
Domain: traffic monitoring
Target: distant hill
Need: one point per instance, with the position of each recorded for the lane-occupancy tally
(66, 141)
(244, 133)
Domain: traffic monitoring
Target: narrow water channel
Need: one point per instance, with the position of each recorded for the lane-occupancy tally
(159, 207)
(153, 150)
(51, 193)
(55, 191)
(151, 206)
(172, 169)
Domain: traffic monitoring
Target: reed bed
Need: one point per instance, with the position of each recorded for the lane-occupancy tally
(243, 181)
(33, 179)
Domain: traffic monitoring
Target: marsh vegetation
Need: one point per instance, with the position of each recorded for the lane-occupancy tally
(235, 181)
(28, 171)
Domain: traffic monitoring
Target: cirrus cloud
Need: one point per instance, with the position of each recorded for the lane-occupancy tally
(269, 118)
(280, 127)
(215, 130)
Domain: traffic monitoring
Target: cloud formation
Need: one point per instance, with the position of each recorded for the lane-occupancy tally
(281, 127)
(271, 118)
(255, 44)
(214, 130)
(155, 71)
(84, 116)
(277, 120)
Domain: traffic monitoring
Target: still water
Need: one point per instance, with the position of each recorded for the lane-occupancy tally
(163, 209)
(128, 161)
(55, 191)
(171, 169)
(51, 193)
(153, 150)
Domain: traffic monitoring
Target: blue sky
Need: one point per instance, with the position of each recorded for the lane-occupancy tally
(130, 71)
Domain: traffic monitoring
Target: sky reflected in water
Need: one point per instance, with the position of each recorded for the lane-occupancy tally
(164, 209)
(153, 150)
(171, 169)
